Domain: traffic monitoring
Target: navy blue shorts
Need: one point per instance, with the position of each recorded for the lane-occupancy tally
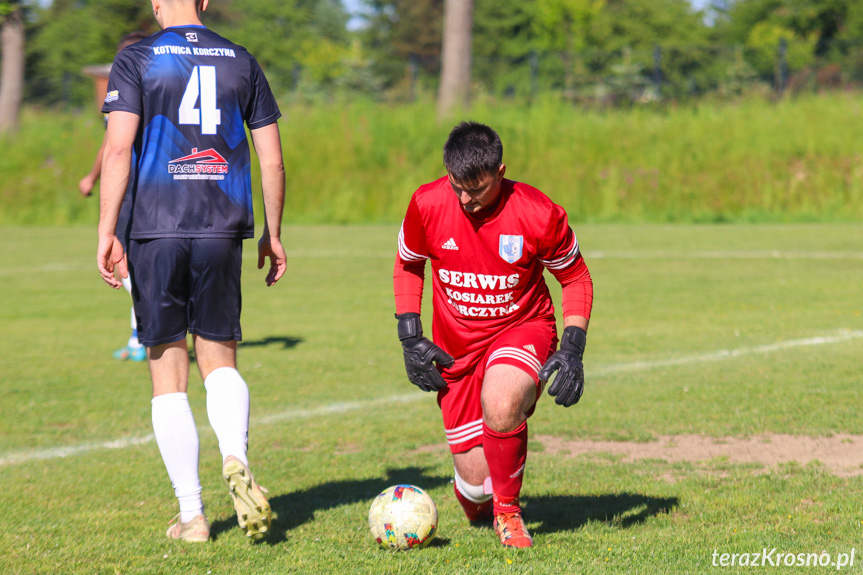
(182, 285)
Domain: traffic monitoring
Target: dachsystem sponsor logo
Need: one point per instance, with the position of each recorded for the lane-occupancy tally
(206, 165)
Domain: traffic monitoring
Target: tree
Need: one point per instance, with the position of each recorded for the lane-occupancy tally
(292, 39)
(401, 33)
(821, 20)
(68, 35)
(504, 44)
(667, 34)
(814, 30)
(455, 56)
(564, 25)
(285, 36)
(12, 79)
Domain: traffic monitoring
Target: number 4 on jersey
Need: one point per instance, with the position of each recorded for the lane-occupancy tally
(201, 84)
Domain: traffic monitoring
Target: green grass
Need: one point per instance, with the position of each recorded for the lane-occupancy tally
(798, 160)
(334, 420)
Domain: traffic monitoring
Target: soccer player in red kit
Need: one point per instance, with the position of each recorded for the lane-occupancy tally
(489, 240)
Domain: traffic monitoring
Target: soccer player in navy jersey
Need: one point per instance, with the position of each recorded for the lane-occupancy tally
(177, 104)
(489, 240)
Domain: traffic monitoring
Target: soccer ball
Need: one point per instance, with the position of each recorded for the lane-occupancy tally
(403, 517)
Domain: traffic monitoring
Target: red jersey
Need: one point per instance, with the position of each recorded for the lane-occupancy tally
(487, 274)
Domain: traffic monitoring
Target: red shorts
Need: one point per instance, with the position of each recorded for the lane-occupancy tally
(525, 346)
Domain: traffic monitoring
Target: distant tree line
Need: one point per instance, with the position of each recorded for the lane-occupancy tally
(617, 51)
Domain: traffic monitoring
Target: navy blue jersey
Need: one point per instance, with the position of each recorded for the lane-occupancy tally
(194, 91)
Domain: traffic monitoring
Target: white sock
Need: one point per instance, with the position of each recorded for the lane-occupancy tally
(474, 493)
(133, 339)
(228, 410)
(177, 438)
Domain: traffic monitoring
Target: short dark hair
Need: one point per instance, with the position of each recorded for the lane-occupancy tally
(131, 38)
(471, 151)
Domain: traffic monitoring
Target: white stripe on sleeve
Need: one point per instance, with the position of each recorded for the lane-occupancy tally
(404, 252)
(565, 260)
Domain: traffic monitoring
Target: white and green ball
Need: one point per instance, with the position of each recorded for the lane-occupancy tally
(403, 517)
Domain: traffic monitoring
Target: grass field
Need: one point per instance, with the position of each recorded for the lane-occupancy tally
(723, 331)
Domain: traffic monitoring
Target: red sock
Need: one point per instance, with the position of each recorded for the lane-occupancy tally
(505, 454)
(473, 511)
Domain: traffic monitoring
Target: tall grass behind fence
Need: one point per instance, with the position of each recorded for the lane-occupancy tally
(798, 159)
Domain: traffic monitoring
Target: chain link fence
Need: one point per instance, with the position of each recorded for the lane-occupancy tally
(660, 73)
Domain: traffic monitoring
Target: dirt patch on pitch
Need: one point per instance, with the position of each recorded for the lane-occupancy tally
(841, 454)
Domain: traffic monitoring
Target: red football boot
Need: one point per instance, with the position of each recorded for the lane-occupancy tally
(511, 530)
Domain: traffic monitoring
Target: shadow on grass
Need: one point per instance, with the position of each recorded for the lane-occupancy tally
(297, 508)
(284, 342)
(567, 512)
(553, 513)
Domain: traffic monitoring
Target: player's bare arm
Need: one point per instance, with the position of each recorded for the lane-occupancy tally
(576, 321)
(268, 146)
(116, 162)
(86, 184)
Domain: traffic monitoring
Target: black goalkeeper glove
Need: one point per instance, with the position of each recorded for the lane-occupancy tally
(420, 353)
(569, 383)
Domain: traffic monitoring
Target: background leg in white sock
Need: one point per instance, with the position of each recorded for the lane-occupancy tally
(133, 339)
(177, 437)
(228, 410)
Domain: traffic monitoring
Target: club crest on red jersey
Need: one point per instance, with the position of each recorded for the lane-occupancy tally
(510, 248)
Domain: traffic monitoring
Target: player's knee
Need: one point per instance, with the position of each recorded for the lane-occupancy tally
(504, 417)
(503, 412)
